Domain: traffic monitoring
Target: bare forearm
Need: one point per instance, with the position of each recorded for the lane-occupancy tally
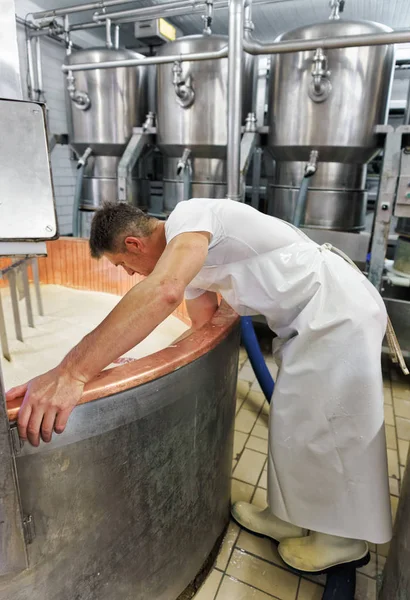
(135, 317)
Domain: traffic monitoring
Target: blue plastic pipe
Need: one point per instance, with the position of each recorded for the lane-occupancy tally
(250, 341)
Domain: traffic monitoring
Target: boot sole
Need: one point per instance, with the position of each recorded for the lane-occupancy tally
(354, 564)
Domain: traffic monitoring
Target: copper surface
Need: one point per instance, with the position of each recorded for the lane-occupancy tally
(69, 264)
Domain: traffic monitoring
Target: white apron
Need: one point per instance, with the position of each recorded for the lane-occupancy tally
(327, 464)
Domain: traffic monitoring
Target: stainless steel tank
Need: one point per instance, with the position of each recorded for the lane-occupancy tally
(118, 102)
(330, 102)
(200, 126)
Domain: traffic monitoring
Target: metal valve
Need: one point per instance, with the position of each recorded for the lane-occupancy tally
(337, 7)
(80, 99)
(183, 87)
(320, 86)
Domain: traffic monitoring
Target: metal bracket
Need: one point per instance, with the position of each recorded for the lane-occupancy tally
(141, 137)
(16, 441)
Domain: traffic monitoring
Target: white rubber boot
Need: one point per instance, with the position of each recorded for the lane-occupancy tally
(318, 552)
(263, 522)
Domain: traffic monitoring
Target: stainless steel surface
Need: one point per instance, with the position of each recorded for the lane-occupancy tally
(39, 67)
(23, 248)
(402, 206)
(148, 12)
(202, 127)
(337, 41)
(30, 70)
(342, 127)
(336, 196)
(385, 200)
(4, 345)
(36, 281)
(406, 120)
(67, 10)
(208, 180)
(27, 297)
(355, 245)
(133, 152)
(150, 60)
(321, 114)
(235, 90)
(401, 263)
(27, 209)
(128, 503)
(399, 313)
(396, 575)
(11, 276)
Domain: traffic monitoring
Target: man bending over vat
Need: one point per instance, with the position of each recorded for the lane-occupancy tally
(327, 467)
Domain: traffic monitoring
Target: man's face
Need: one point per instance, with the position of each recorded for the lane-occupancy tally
(139, 256)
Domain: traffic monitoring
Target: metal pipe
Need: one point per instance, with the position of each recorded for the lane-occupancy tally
(60, 12)
(147, 11)
(235, 75)
(108, 39)
(402, 36)
(30, 65)
(116, 37)
(40, 89)
(407, 110)
(150, 60)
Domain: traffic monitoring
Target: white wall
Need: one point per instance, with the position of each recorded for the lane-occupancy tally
(63, 167)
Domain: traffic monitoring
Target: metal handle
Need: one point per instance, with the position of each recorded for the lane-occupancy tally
(320, 86)
(183, 87)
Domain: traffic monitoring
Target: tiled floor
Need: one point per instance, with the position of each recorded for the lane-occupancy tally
(249, 567)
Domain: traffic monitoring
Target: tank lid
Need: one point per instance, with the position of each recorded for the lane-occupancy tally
(194, 43)
(334, 28)
(97, 55)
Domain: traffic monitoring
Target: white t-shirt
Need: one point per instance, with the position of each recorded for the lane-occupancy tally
(252, 258)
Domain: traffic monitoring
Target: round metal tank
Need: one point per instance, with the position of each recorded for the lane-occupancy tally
(118, 103)
(202, 126)
(132, 501)
(336, 118)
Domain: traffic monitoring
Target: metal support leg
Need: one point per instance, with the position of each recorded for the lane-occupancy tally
(248, 144)
(3, 334)
(385, 202)
(132, 153)
(11, 276)
(256, 177)
(27, 296)
(36, 280)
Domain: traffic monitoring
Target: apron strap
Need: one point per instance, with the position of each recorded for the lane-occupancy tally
(396, 353)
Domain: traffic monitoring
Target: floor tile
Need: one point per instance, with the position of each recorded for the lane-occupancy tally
(257, 444)
(402, 408)
(394, 487)
(403, 451)
(309, 591)
(394, 502)
(239, 402)
(393, 463)
(403, 428)
(265, 408)
(242, 389)
(266, 577)
(391, 437)
(247, 374)
(388, 399)
(260, 431)
(263, 481)
(401, 390)
(365, 588)
(402, 469)
(227, 546)
(260, 546)
(371, 568)
(231, 589)
(260, 498)
(254, 401)
(241, 491)
(210, 586)
(245, 420)
(250, 466)
(256, 387)
(388, 415)
(239, 442)
(318, 579)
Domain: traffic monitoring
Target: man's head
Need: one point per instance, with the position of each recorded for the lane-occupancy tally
(127, 237)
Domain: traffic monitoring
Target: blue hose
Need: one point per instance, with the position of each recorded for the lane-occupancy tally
(250, 341)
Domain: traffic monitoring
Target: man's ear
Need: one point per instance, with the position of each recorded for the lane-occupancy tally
(133, 244)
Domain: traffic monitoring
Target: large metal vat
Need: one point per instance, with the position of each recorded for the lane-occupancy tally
(330, 102)
(118, 102)
(130, 503)
(200, 127)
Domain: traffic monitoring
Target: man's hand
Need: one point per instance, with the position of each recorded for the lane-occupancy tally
(48, 402)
